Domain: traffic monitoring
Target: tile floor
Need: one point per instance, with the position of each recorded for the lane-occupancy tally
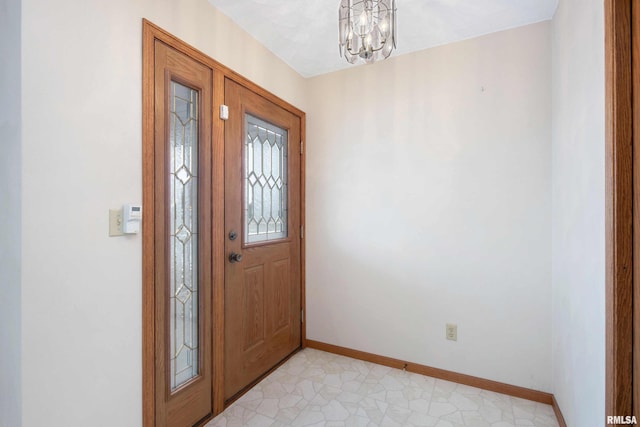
(315, 388)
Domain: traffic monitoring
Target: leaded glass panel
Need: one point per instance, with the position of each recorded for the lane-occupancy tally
(265, 181)
(183, 261)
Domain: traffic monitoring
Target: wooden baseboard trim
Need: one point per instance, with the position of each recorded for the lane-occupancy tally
(556, 409)
(495, 386)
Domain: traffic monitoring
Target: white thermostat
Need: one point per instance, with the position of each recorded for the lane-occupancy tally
(131, 218)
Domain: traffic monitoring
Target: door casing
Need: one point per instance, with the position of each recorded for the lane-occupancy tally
(151, 33)
(622, 74)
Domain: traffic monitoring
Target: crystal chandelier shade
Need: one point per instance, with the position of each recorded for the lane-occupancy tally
(367, 29)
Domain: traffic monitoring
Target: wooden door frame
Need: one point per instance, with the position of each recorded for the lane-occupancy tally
(620, 188)
(150, 34)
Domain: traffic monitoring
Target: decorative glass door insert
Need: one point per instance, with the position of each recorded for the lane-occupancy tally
(265, 181)
(183, 255)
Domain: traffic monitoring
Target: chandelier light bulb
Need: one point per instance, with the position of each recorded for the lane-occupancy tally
(384, 26)
(363, 22)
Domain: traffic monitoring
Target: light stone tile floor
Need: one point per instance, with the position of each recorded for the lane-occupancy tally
(315, 388)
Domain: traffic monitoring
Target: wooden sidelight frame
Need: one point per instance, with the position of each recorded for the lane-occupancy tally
(150, 34)
(622, 51)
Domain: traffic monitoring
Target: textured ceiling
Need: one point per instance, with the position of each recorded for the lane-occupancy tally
(304, 33)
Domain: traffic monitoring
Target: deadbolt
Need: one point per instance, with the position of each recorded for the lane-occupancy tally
(233, 235)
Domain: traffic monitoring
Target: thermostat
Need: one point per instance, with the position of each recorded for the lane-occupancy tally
(131, 218)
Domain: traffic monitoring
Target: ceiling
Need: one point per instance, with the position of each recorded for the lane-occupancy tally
(304, 33)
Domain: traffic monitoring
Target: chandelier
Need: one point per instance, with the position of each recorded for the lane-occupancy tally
(367, 29)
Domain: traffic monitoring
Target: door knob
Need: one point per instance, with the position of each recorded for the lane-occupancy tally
(234, 257)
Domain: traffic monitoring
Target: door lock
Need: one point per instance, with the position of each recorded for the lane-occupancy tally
(233, 235)
(235, 257)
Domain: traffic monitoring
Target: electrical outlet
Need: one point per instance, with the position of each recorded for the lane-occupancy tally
(115, 222)
(452, 332)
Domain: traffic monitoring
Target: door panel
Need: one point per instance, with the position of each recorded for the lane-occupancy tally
(262, 222)
(281, 282)
(182, 206)
(252, 309)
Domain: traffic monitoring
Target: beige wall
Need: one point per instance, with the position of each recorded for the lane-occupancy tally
(578, 211)
(81, 290)
(428, 184)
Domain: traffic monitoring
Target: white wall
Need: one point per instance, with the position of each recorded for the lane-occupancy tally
(81, 307)
(428, 202)
(10, 197)
(578, 211)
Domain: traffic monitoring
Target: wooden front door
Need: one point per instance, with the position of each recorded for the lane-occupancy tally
(262, 242)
